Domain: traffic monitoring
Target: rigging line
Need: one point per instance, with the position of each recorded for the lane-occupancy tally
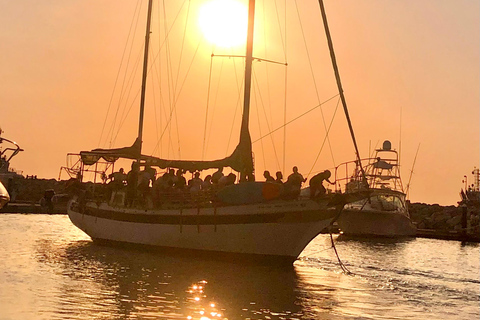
(237, 105)
(127, 82)
(126, 112)
(324, 139)
(342, 265)
(339, 213)
(372, 153)
(268, 88)
(296, 118)
(266, 119)
(158, 73)
(253, 58)
(214, 105)
(313, 78)
(178, 75)
(118, 74)
(165, 117)
(169, 75)
(266, 54)
(181, 88)
(165, 44)
(130, 83)
(169, 79)
(118, 118)
(178, 133)
(258, 121)
(167, 31)
(206, 109)
(182, 46)
(183, 84)
(400, 140)
(411, 172)
(127, 93)
(280, 27)
(339, 85)
(155, 100)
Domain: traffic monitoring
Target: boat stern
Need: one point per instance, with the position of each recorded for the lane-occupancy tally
(4, 196)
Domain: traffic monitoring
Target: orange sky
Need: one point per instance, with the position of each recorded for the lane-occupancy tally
(409, 67)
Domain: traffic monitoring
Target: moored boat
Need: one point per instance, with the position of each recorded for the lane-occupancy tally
(384, 212)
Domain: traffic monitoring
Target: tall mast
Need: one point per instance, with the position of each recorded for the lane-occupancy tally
(144, 76)
(339, 85)
(244, 149)
(248, 66)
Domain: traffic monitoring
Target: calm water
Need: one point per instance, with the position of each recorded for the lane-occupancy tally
(51, 270)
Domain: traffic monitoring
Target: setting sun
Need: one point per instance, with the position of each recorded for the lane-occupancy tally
(224, 22)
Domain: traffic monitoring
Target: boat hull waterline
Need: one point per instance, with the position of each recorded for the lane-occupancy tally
(277, 229)
(375, 223)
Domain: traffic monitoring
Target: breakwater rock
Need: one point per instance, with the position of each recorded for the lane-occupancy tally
(32, 189)
(33, 195)
(444, 218)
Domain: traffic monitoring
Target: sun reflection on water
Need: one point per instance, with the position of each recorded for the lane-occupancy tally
(203, 308)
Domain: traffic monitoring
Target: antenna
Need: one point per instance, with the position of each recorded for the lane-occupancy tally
(400, 139)
(411, 171)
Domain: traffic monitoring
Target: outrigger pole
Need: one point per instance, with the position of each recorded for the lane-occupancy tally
(339, 85)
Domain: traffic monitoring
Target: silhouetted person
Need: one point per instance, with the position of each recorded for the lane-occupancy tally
(144, 178)
(180, 182)
(195, 184)
(47, 200)
(316, 183)
(117, 181)
(207, 183)
(294, 184)
(217, 175)
(118, 178)
(132, 183)
(267, 176)
(231, 178)
(227, 180)
(279, 177)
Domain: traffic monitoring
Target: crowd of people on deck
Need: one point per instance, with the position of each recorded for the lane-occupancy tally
(146, 187)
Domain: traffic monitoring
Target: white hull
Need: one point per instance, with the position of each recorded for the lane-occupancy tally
(280, 229)
(375, 223)
(4, 197)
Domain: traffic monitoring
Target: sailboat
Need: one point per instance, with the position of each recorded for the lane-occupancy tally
(249, 219)
(385, 212)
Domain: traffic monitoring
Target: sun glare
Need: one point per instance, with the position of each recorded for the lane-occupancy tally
(224, 22)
